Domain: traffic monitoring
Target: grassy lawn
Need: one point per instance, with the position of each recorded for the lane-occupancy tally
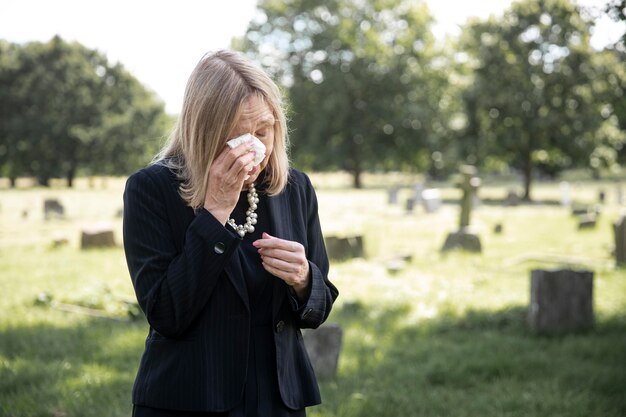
(444, 336)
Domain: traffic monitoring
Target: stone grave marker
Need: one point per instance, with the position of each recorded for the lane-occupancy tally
(619, 194)
(619, 234)
(417, 192)
(341, 248)
(431, 200)
(587, 221)
(410, 205)
(601, 196)
(511, 199)
(566, 193)
(97, 236)
(53, 208)
(560, 300)
(393, 196)
(323, 346)
(464, 238)
(59, 240)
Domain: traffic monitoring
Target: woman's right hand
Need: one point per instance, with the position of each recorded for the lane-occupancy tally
(226, 176)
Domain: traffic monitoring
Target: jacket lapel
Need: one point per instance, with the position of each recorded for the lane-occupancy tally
(280, 227)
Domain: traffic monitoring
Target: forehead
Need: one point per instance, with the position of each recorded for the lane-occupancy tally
(254, 112)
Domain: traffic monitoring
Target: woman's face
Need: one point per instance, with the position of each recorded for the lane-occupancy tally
(258, 120)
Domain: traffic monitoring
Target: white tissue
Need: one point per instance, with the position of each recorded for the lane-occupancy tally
(257, 146)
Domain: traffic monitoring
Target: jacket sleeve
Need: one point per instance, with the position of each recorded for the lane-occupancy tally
(172, 286)
(322, 293)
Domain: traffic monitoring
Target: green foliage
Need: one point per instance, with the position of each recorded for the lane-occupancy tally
(364, 81)
(537, 95)
(65, 108)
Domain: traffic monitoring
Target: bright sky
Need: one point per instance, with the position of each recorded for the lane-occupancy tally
(160, 41)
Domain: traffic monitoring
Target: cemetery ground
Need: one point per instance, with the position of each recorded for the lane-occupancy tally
(443, 335)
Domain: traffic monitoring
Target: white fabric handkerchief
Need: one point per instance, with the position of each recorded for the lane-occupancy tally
(258, 146)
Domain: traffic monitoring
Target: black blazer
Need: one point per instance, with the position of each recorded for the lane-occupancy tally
(194, 296)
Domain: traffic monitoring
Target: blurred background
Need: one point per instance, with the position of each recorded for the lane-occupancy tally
(468, 159)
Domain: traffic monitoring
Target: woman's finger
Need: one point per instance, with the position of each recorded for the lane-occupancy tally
(287, 256)
(284, 266)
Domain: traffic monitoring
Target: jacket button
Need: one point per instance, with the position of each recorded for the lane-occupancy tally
(219, 248)
(280, 326)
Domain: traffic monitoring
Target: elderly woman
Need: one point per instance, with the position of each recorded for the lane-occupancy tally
(226, 255)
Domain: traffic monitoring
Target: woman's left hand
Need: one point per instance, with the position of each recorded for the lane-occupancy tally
(286, 260)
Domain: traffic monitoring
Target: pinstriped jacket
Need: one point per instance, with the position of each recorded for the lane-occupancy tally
(194, 296)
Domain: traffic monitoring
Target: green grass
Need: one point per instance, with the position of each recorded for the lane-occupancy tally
(445, 336)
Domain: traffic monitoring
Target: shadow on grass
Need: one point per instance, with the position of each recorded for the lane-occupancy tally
(83, 370)
(480, 364)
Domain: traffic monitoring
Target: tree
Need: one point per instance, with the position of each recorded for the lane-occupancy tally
(365, 82)
(66, 108)
(532, 101)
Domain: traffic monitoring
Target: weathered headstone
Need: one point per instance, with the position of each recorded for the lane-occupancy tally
(560, 300)
(323, 346)
(59, 240)
(97, 236)
(431, 200)
(393, 195)
(511, 199)
(417, 192)
(410, 204)
(464, 238)
(341, 248)
(566, 194)
(53, 208)
(398, 263)
(497, 228)
(601, 196)
(619, 234)
(587, 221)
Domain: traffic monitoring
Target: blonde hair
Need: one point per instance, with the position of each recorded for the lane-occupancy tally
(212, 105)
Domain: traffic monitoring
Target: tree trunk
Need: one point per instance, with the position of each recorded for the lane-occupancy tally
(356, 176)
(71, 173)
(44, 181)
(528, 175)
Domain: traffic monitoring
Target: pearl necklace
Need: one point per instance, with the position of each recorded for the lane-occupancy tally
(251, 216)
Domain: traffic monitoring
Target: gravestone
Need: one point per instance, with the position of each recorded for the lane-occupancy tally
(398, 263)
(417, 192)
(393, 196)
(410, 204)
(619, 234)
(511, 199)
(342, 248)
(497, 228)
(587, 221)
(619, 194)
(97, 236)
(53, 208)
(566, 193)
(560, 300)
(323, 346)
(601, 196)
(59, 240)
(431, 200)
(464, 238)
